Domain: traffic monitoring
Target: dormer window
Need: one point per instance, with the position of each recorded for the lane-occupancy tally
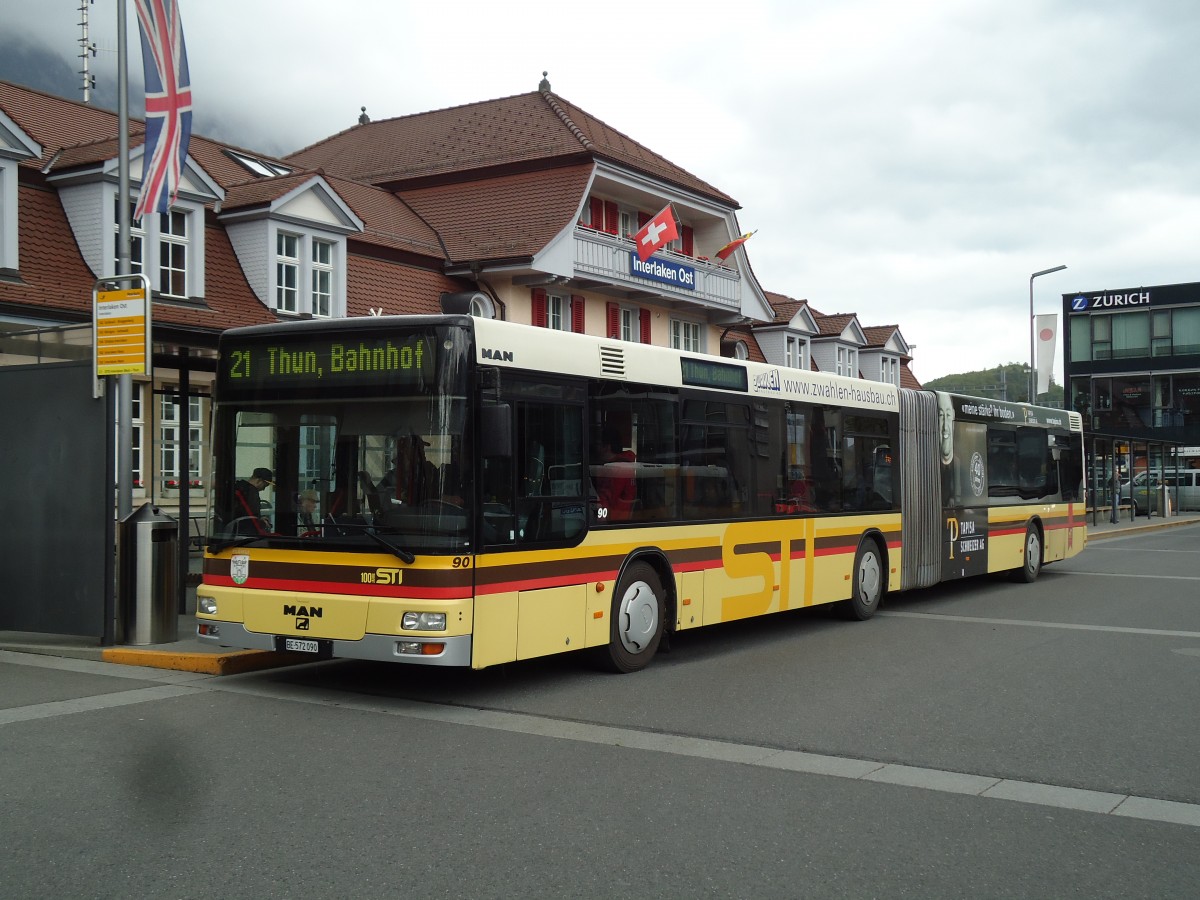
(795, 352)
(160, 247)
(889, 370)
(847, 362)
(306, 274)
(258, 166)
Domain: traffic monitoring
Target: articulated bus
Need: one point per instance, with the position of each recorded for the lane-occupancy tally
(457, 491)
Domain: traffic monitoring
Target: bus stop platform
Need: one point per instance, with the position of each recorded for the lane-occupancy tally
(188, 653)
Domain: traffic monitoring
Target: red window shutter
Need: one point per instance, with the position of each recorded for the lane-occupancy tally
(538, 302)
(645, 323)
(687, 240)
(597, 213)
(577, 304)
(614, 320)
(643, 218)
(611, 217)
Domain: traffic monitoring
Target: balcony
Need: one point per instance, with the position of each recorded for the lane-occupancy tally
(604, 257)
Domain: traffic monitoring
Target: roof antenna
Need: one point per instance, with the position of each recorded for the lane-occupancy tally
(363, 118)
(87, 49)
(544, 86)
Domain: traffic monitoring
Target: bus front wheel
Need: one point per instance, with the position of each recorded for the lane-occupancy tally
(868, 582)
(636, 626)
(1031, 561)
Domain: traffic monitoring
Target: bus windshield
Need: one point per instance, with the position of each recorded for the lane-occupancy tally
(360, 460)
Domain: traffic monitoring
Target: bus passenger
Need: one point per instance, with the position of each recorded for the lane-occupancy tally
(412, 476)
(616, 488)
(247, 501)
(307, 518)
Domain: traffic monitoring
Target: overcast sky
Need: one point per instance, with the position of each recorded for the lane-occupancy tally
(914, 163)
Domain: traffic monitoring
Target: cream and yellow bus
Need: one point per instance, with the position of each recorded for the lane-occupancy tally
(456, 491)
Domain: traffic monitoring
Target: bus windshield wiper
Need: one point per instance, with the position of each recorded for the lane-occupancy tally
(405, 556)
(218, 546)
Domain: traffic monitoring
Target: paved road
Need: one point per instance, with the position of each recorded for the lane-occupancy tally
(984, 739)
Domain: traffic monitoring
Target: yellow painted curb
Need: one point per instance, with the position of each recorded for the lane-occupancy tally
(203, 663)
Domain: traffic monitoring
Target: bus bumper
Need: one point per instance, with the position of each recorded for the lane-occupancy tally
(378, 647)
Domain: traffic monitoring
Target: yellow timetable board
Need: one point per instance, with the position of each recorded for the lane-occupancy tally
(122, 331)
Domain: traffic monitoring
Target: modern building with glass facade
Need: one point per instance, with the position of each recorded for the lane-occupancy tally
(1132, 361)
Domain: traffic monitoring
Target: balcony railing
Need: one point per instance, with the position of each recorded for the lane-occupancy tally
(606, 256)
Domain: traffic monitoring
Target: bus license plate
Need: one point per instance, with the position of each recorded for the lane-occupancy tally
(301, 646)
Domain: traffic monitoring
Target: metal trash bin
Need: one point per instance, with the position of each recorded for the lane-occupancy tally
(149, 572)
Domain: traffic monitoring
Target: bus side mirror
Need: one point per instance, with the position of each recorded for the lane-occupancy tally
(495, 430)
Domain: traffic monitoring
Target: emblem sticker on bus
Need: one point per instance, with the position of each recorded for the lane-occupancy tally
(977, 474)
(239, 568)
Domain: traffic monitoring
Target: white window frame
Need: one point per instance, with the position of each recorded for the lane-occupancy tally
(321, 295)
(631, 324)
(558, 312)
(137, 435)
(9, 219)
(167, 240)
(150, 243)
(137, 241)
(304, 296)
(687, 335)
(169, 434)
(847, 361)
(287, 271)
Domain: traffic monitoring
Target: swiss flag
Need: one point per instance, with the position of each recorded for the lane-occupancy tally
(656, 233)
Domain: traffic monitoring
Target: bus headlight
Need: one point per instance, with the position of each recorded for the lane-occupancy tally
(423, 621)
(206, 605)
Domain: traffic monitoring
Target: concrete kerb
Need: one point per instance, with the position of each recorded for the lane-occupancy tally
(231, 663)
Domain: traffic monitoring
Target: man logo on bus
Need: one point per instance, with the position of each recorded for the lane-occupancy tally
(977, 474)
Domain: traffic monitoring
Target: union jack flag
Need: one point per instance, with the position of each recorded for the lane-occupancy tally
(168, 104)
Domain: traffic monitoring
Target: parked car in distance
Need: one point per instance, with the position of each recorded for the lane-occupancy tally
(1184, 488)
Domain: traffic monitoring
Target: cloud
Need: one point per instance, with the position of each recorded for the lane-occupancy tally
(913, 163)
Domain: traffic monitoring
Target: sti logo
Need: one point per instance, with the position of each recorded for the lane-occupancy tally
(1079, 304)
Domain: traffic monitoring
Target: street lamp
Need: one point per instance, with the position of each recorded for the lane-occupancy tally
(1032, 358)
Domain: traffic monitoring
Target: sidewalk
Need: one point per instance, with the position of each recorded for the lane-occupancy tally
(188, 654)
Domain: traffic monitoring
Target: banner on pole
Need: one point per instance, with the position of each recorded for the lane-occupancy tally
(1047, 337)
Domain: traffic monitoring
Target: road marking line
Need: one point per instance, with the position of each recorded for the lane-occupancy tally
(850, 768)
(91, 704)
(942, 781)
(1070, 626)
(1125, 575)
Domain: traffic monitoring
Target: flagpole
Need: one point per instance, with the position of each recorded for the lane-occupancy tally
(124, 382)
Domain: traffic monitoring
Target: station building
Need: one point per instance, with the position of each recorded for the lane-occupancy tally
(527, 204)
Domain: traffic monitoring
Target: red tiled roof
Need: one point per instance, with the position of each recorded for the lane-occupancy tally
(879, 335)
(478, 140)
(55, 123)
(512, 216)
(785, 307)
(832, 326)
(53, 271)
(396, 289)
(58, 280)
(908, 379)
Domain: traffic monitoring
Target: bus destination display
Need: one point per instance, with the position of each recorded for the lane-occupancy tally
(328, 362)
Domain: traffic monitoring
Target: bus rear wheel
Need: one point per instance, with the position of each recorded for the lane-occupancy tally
(868, 583)
(1031, 563)
(636, 626)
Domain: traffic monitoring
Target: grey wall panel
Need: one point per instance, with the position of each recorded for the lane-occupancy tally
(54, 499)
